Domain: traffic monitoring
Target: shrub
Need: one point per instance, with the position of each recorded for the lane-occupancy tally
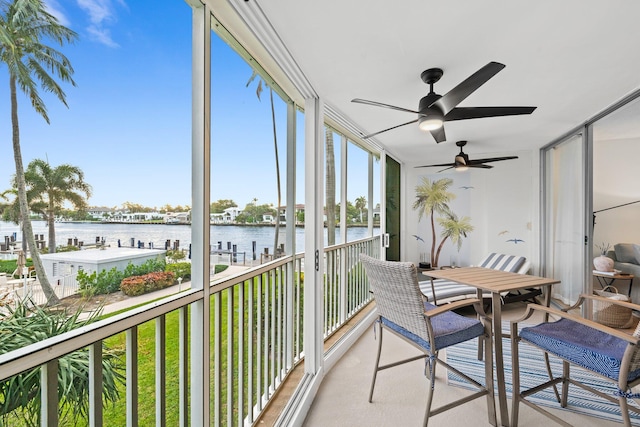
(219, 268)
(138, 285)
(20, 401)
(107, 282)
(175, 255)
(180, 269)
(67, 249)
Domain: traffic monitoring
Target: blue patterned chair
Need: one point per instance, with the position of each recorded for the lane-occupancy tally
(611, 354)
(445, 291)
(403, 311)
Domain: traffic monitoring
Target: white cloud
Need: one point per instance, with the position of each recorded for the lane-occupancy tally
(102, 35)
(101, 14)
(53, 7)
(98, 10)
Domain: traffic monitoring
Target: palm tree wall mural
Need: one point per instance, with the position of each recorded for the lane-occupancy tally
(433, 200)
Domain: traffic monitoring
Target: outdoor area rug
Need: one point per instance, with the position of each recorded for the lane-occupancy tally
(532, 372)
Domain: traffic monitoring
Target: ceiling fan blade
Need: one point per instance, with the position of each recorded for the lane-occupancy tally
(456, 95)
(493, 159)
(446, 169)
(438, 165)
(380, 104)
(438, 135)
(391, 128)
(480, 166)
(463, 113)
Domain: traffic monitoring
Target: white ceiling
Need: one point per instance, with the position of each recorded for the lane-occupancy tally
(570, 58)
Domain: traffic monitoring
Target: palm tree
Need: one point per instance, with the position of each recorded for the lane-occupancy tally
(361, 203)
(431, 198)
(330, 187)
(453, 228)
(275, 145)
(50, 188)
(24, 25)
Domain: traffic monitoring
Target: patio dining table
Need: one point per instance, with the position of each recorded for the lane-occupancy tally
(497, 283)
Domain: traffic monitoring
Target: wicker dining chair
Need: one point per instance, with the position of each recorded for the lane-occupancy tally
(403, 310)
(611, 354)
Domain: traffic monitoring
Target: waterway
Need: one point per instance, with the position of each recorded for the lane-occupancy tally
(157, 234)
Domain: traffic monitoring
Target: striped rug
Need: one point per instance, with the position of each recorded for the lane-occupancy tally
(532, 372)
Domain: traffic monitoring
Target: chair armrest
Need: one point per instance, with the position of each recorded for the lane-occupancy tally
(621, 303)
(456, 305)
(531, 308)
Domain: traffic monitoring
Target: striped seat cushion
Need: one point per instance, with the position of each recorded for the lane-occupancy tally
(449, 329)
(446, 290)
(581, 345)
(503, 262)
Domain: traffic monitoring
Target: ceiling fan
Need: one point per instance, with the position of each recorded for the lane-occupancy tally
(434, 109)
(462, 162)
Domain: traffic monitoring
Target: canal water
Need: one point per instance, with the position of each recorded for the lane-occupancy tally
(157, 234)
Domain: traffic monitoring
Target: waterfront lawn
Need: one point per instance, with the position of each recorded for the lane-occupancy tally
(267, 356)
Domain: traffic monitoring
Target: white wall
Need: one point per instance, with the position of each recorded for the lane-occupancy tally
(503, 204)
(616, 181)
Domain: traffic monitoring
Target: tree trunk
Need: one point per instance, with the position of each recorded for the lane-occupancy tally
(440, 249)
(331, 189)
(434, 259)
(275, 145)
(52, 299)
(52, 231)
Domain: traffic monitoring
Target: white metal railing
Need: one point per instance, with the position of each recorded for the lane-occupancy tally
(28, 288)
(346, 289)
(256, 339)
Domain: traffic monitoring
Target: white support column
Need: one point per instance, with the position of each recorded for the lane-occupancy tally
(291, 179)
(200, 198)
(314, 235)
(291, 229)
(344, 176)
(370, 205)
(383, 204)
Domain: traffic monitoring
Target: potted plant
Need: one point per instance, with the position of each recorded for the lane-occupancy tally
(602, 262)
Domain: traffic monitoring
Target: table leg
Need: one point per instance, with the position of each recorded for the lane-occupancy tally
(496, 305)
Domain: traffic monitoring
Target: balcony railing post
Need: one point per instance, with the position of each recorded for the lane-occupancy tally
(343, 283)
(49, 394)
(183, 336)
(161, 371)
(132, 376)
(95, 384)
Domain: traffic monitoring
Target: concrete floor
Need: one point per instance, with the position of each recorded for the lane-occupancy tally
(400, 394)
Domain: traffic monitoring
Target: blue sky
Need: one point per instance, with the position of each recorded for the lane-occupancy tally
(128, 125)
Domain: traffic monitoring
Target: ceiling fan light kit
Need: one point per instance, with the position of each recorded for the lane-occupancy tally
(434, 110)
(429, 123)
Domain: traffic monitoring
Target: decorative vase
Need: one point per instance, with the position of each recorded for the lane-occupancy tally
(603, 263)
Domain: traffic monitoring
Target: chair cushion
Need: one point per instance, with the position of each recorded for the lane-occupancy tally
(449, 328)
(581, 345)
(446, 289)
(503, 262)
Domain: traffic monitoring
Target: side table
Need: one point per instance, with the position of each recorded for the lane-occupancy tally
(605, 279)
